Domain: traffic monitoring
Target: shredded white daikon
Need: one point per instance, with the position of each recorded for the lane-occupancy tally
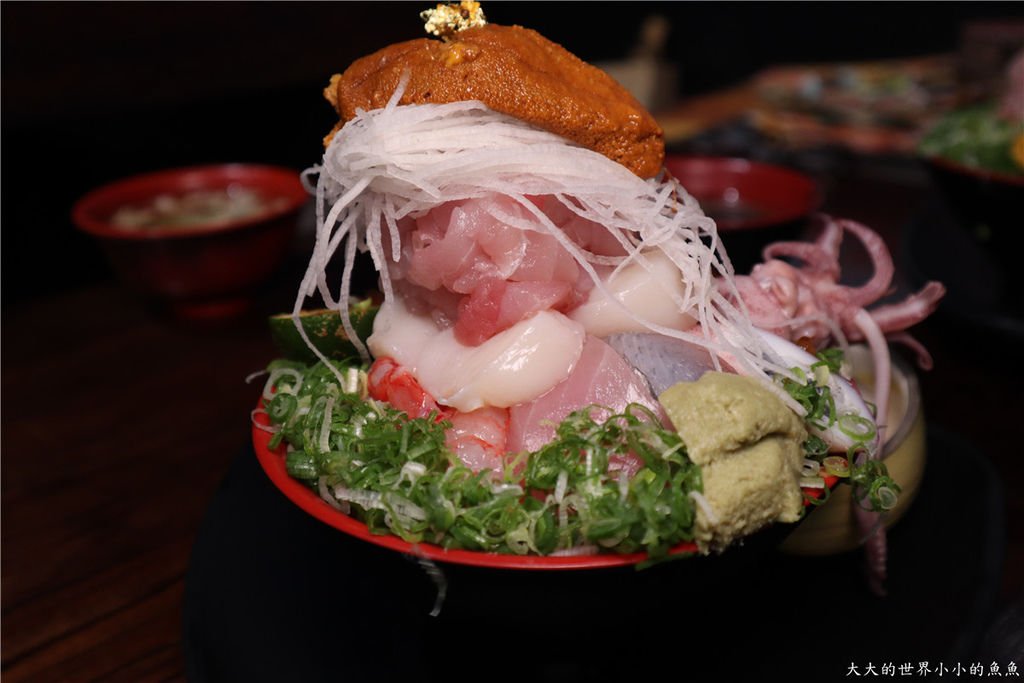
(324, 442)
(411, 472)
(259, 425)
(400, 161)
(270, 386)
(576, 551)
(325, 493)
(705, 507)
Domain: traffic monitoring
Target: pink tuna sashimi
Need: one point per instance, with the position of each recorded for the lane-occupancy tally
(474, 246)
(498, 305)
(600, 377)
(588, 235)
(486, 264)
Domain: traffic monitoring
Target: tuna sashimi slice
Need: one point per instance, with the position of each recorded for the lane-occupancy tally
(497, 305)
(600, 377)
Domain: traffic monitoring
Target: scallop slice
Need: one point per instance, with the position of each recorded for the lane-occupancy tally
(648, 293)
(514, 366)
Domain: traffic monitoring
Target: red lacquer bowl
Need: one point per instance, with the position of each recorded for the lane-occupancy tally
(273, 463)
(745, 195)
(205, 270)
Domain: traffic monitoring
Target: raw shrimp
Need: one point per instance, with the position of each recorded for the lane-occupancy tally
(390, 382)
(478, 437)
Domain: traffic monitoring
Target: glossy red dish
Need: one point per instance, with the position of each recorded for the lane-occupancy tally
(273, 463)
(745, 195)
(93, 213)
(201, 271)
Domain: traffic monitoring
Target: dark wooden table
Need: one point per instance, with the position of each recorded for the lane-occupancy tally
(118, 426)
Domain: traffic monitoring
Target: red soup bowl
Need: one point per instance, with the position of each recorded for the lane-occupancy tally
(199, 240)
(753, 203)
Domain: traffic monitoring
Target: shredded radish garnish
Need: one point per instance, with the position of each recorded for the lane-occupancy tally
(253, 375)
(705, 507)
(325, 426)
(560, 485)
(411, 472)
(271, 385)
(576, 551)
(400, 161)
(623, 485)
(325, 493)
(259, 425)
(499, 489)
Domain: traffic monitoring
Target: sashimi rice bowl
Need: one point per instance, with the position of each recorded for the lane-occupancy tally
(561, 360)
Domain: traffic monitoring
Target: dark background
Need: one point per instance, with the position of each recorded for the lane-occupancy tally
(97, 91)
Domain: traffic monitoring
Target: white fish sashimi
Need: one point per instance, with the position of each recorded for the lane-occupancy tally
(650, 289)
(513, 366)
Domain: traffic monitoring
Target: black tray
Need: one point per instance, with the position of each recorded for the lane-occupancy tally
(273, 594)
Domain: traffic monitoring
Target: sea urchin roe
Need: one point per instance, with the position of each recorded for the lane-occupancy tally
(517, 72)
(749, 447)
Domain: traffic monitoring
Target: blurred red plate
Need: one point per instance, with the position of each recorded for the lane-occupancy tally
(273, 463)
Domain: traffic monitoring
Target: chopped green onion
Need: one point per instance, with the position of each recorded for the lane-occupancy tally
(401, 478)
(282, 406)
(857, 427)
(810, 468)
(837, 466)
(815, 446)
(887, 498)
(874, 488)
(301, 465)
(816, 400)
(831, 358)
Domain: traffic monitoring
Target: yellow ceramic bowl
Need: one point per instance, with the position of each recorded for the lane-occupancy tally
(831, 528)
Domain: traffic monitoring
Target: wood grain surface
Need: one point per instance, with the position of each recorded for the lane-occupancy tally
(117, 428)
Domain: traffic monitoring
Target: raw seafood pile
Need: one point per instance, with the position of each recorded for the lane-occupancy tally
(534, 287)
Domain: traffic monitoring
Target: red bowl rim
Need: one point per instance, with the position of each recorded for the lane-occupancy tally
(806, 188)
(287, 185)
(975, 172)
